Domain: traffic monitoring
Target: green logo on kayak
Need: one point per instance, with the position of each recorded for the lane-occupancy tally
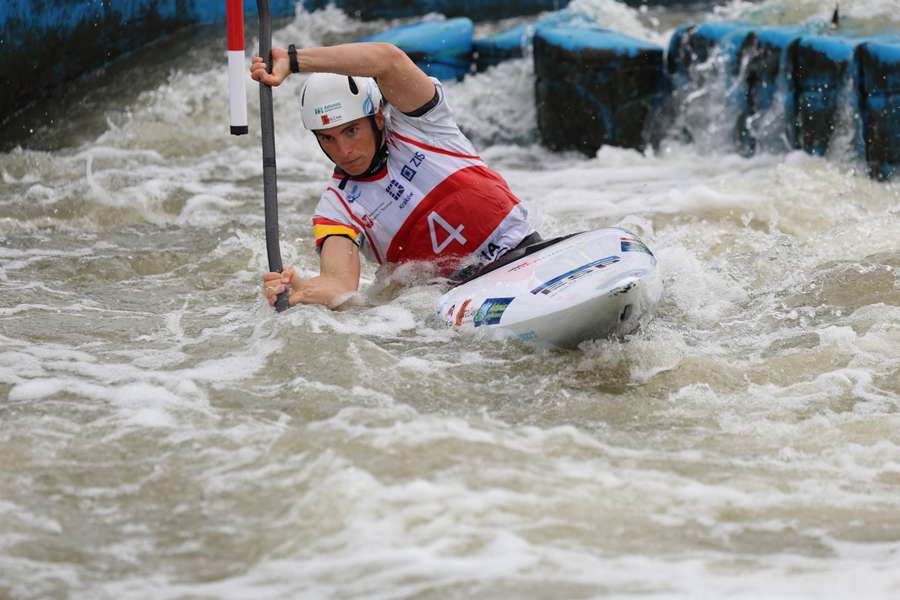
(491, 311)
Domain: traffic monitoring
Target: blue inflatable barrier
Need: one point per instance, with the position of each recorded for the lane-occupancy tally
(762, 58)
(760, 82)
(509, 44)
(819, 72)
(877, 66)
(443, 49)
(477, 10)
(503, 46)
(703, 57)
(695, 45)
(595, 87)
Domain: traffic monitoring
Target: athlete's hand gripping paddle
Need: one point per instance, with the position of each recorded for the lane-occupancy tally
(267, 123)
(238, 111)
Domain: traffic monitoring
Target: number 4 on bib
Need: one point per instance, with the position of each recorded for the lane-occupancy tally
(453, 234)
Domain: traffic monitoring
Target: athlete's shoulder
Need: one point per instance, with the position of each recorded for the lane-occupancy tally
(333, 216)
(332, 200)
(436, 120)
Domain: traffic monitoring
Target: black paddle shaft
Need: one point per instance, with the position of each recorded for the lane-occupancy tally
(267, 124)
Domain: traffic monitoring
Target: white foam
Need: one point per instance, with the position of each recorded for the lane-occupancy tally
(497, 106)
(860, 16)
(613, 15)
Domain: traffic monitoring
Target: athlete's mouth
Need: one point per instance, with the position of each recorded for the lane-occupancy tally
(353, 165)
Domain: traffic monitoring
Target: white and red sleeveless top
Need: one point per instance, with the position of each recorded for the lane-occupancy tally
(434, 201)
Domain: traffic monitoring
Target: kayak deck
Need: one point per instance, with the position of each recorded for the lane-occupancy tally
(590, 285)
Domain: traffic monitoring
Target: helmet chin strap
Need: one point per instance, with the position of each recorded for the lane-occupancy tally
(379, 159)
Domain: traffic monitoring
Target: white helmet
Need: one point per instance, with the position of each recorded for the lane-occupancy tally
(328, 100)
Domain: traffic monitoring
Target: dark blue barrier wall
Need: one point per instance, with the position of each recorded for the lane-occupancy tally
(443, 49)
(505, 45)
(495, 49)
(814, 78)
(477, 10)
(761, 59)
(818, 69)
(695, 45)
(878, 79)
(48, 42)
(595, 87)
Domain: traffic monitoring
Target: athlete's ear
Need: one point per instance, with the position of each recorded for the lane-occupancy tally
(379, 120)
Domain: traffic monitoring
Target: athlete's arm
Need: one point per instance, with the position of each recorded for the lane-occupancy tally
(337, 281)
(403, 84)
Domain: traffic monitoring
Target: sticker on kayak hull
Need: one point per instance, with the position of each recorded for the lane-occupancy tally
(634, 245)
(462, 312)
(491, 311)
(548, 287)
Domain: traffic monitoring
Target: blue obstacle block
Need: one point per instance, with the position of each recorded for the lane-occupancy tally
(503, 46)
(762, 59)
(511, 43)
(751, 61)
(595, 87)
(702, 60)
(443, 49)
(877, 70)
(818, 69)
(694, 45)
(477, 10)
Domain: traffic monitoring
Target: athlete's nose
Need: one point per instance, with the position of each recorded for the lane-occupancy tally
(344, 148)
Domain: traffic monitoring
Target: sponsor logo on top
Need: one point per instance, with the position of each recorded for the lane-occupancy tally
(353, 193)
(407, 172)
(395, 189)
(417, 159)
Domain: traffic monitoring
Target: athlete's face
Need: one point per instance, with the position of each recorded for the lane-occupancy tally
(351, 146)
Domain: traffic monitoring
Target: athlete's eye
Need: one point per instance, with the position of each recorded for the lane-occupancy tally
(351, 131)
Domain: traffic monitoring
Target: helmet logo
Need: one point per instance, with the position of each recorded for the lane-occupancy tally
(321, 110)
(331, 100)
(330, 114)
(369, 105)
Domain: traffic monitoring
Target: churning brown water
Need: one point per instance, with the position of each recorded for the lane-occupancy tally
(164, 434)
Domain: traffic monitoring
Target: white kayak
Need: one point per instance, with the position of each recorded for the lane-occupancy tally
(591, 285)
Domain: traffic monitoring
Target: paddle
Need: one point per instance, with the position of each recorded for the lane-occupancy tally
(267, 123)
